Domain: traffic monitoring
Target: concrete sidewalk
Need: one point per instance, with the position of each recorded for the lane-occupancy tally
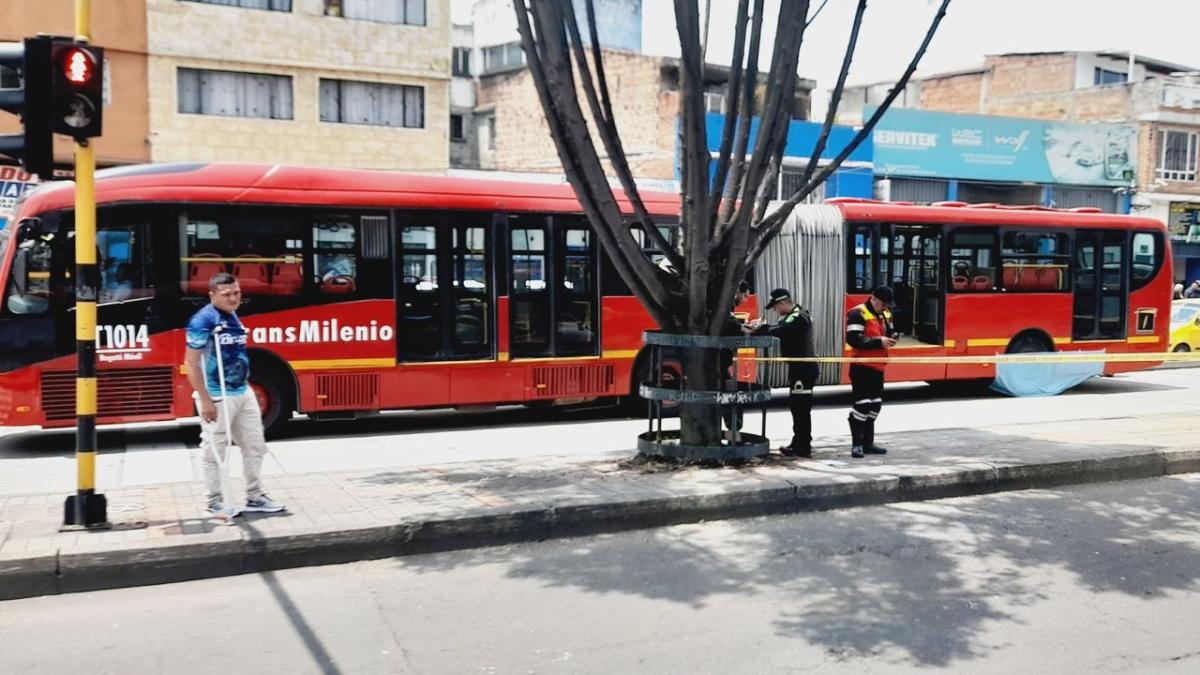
(348, 516)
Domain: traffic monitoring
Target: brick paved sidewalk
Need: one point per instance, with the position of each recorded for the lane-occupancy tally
(344, 516)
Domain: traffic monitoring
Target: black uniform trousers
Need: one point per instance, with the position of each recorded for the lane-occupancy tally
(802, 377)
(866, 385)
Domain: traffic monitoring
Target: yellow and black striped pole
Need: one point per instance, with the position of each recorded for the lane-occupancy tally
(86, 508)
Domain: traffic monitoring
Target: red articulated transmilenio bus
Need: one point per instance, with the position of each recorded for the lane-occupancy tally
(364, 291)
(977, 279)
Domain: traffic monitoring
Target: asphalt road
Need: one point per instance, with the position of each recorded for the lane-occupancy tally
(37, 461)
(1100, 578)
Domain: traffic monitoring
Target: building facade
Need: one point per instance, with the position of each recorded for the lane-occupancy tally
(1160, 100)
(361, 83)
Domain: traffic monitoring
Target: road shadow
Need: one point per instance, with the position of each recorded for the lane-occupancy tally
(924, 583)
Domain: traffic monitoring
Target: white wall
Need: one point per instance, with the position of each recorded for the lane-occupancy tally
(1086, 65)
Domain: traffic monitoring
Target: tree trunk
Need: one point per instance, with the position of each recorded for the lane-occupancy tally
(700, 424)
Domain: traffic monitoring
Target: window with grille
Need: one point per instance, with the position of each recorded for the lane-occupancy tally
(789, 183)
(1177, 156)
(372, 103)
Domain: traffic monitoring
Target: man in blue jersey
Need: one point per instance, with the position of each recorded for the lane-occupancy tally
(218, 321)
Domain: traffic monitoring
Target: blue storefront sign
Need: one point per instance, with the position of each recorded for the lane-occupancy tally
(921, 143)
(13, 183)
(848, 181)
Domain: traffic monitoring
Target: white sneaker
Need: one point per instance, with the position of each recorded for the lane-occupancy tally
(263, 504)
(219, 511)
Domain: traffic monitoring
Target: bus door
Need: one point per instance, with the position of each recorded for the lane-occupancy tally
(554, 304)
(445, 308)
(1100, 285)
(910, 263)
(909, 257)
(554, 298)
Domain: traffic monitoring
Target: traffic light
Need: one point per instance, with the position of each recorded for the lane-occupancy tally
(77, 89)
(34, 148)
(61, 92)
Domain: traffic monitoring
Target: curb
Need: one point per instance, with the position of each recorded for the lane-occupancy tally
(250, 552)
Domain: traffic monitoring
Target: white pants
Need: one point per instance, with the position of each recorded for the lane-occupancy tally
(245, 421)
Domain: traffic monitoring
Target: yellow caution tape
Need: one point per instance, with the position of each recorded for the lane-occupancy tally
(1040, 357)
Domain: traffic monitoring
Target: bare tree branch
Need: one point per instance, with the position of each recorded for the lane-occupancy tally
(816, 13)
(606, 124)
(550, 72)
(770, 226)
(732, 189)
(836, 97)
(789, 35)
(732, 105)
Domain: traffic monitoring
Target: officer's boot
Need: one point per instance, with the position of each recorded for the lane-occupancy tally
(856, 437)
(869, 446)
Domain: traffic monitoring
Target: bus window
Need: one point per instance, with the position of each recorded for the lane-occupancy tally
(576, 302)
(610, 280)
(1145, 258)
(862, 260)
(29, 281)
(122, 264)
(529, 305)
(472, 296)
(418, 296)
(263, 251)
(334, 262)
(1034, 261)
(972, 266)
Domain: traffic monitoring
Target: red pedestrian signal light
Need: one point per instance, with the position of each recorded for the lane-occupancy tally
(77, 103)
(79, 66)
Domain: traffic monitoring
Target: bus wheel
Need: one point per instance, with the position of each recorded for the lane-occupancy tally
(273, 399)
(1025, 344)
(1182, 347)
(672, 378)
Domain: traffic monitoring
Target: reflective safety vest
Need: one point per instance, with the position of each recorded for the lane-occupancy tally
(864, 329)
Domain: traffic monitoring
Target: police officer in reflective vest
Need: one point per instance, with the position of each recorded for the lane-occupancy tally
(869, 334)
(794, 331)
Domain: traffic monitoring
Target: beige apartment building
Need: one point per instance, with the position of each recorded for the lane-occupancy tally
(360, 83)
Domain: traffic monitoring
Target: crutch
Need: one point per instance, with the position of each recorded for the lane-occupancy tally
(223, 463)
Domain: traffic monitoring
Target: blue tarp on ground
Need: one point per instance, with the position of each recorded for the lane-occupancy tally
(1043, 379)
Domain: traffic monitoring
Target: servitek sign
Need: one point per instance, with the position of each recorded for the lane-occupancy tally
(982, 147)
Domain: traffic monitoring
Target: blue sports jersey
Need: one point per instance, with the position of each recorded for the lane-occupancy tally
(233, 349)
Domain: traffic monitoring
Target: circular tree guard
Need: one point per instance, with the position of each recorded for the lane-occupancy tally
(666, 443)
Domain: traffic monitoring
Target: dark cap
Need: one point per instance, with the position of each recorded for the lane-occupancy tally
(777, 295)
(885, 294)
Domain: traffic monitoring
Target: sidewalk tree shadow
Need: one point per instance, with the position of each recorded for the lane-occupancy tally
(924, 582)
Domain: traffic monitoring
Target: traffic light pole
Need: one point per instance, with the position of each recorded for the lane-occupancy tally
(87, 509)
